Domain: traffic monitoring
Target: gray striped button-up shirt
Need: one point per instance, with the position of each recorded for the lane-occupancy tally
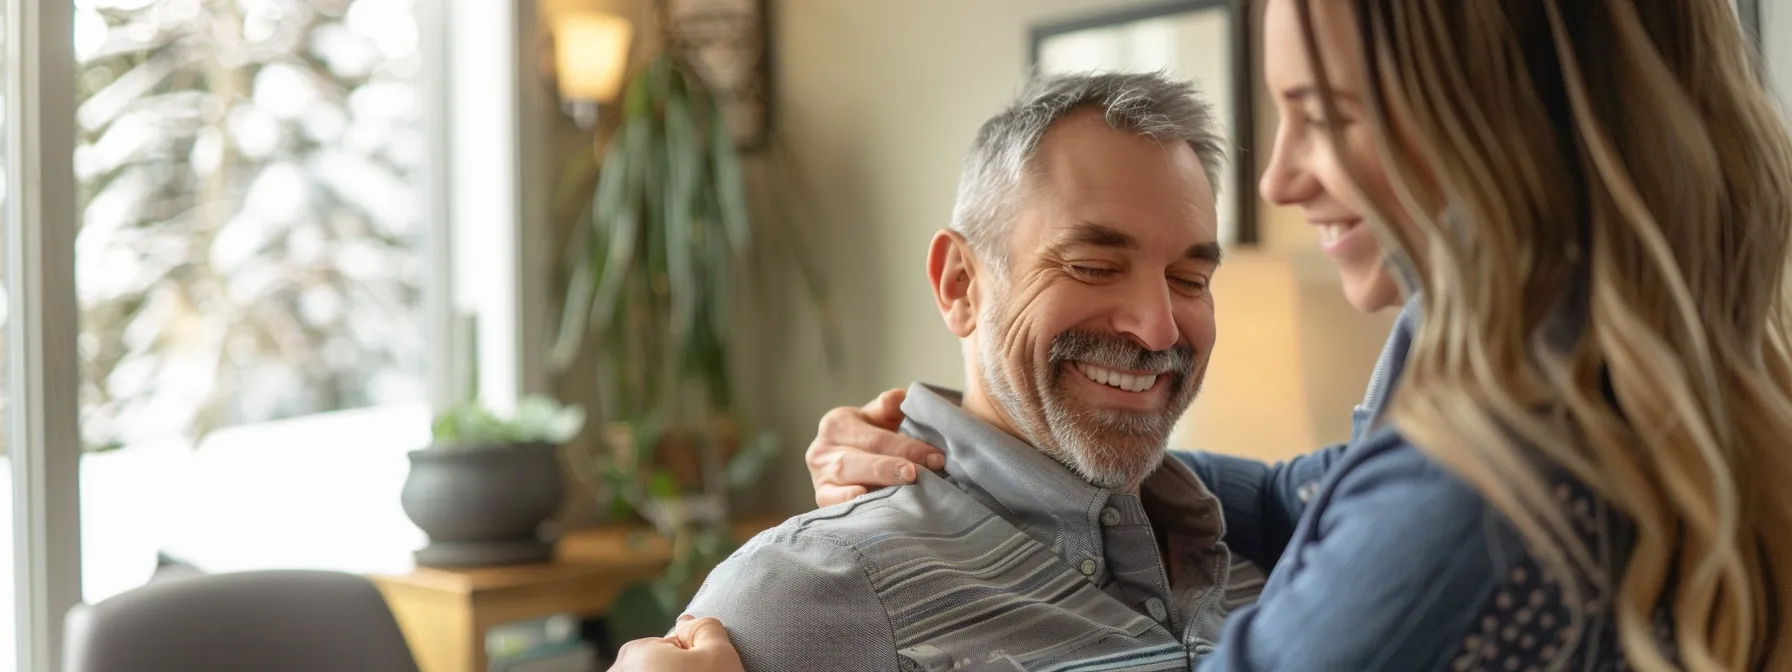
(1004, 560)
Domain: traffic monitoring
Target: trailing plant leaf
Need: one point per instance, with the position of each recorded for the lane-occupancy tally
(683, 163)
(646, 609)
(750, 462)
(731, 197)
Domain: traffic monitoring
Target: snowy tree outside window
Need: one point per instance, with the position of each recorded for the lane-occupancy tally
(250, 240)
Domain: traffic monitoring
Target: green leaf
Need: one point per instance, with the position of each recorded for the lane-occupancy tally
(538, 419)
(662, 485)
(731, 196)
(684, 164)
(575, 178)
(620, 507)
(712, 545)
(622, 224)
(574, 314)
(750, 462)
(635, 103)
(646, 609)
(647, 435)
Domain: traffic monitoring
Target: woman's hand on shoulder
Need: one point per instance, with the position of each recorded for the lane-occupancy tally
(696, 645)
(857, 450)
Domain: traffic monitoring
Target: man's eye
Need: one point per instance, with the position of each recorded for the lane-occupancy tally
(1194, 284)
(1093, 272)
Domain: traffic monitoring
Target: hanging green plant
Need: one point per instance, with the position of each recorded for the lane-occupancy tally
(655, 267)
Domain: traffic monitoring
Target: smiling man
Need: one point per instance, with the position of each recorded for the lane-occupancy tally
(1076, 274)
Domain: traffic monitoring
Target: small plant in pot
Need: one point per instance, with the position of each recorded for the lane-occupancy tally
(486, 483)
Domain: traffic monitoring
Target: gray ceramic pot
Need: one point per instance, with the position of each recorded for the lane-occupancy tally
(482, 504)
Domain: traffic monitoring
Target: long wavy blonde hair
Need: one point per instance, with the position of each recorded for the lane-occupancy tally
(1614, 167)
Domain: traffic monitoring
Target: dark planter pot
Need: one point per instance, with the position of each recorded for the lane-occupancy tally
(482, 504)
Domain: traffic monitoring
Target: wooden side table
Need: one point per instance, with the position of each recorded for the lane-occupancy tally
(444, 613)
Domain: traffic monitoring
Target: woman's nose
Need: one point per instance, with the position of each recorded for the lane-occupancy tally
(1285, 181)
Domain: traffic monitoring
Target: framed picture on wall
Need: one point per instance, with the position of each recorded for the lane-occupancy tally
(1749, 11)
(1207, 41)
(725, 41)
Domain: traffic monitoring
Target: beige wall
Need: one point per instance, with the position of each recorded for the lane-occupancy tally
(879, 100)
(876, 101)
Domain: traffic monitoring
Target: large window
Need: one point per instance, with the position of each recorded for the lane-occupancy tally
(229, 285)
(250, 251)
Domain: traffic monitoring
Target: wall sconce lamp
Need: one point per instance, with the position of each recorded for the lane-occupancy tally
(590, 60)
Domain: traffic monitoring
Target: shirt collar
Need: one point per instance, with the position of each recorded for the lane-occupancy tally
(1042, 497)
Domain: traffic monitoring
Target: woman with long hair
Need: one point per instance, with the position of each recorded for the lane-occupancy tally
(1574, 453)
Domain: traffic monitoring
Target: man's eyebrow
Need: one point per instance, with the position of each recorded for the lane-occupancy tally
(1090, 234)
(1208, 252)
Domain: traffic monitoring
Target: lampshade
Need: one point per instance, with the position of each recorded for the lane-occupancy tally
(1255, 399)
(591, 55)
(1291, 360)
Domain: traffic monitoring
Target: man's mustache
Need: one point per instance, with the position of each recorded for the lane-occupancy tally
(1113, 351)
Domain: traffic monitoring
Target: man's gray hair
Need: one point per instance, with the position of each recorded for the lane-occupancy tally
(1154, 105)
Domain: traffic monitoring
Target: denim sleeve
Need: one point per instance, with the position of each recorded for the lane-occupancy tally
(1262, 502)
(1388, 575)
(795, 601)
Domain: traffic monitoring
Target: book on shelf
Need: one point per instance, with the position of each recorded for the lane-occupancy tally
(551, 644)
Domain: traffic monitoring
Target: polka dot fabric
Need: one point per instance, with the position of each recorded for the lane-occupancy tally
(1526, 625)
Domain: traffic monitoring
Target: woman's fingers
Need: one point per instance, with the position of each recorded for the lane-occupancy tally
(848, 428)
(847, 466)
(907, 448)
(703, 634)
(886, 410)
(858, 449)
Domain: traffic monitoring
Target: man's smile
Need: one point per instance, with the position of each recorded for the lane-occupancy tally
(1121, 390)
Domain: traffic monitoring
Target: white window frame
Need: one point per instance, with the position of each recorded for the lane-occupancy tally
(43, 437)
(498, 114)
(479, 192)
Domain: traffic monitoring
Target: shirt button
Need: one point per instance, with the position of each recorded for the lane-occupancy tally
(1088, 566)
(1156, 607)
(1110, 516)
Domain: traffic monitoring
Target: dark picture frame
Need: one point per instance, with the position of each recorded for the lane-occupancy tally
(1242, 87)
(729, 44)
(1749, 11)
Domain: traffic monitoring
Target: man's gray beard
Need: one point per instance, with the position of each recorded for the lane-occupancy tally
(1109, 448)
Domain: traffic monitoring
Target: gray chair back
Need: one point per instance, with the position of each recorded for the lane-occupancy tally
(271, 621)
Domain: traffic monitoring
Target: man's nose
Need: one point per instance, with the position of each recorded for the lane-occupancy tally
(1148, 316)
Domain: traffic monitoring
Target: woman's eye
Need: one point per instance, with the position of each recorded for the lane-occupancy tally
(1324, 123)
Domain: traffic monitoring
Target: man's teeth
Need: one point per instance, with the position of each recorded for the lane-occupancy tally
(1130, 383)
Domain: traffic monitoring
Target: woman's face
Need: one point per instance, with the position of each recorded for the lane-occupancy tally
(1306, 170)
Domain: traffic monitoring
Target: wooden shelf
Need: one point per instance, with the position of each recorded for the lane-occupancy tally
(445, 612)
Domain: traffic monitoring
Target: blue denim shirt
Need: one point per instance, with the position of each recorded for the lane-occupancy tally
(1385, 561)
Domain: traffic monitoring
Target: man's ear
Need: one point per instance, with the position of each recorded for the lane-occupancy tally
(952, 269)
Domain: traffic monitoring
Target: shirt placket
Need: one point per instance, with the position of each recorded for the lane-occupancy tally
(1135, 571)
(1203, 607)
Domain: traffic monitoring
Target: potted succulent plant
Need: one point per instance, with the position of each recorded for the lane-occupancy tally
(486, 483)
